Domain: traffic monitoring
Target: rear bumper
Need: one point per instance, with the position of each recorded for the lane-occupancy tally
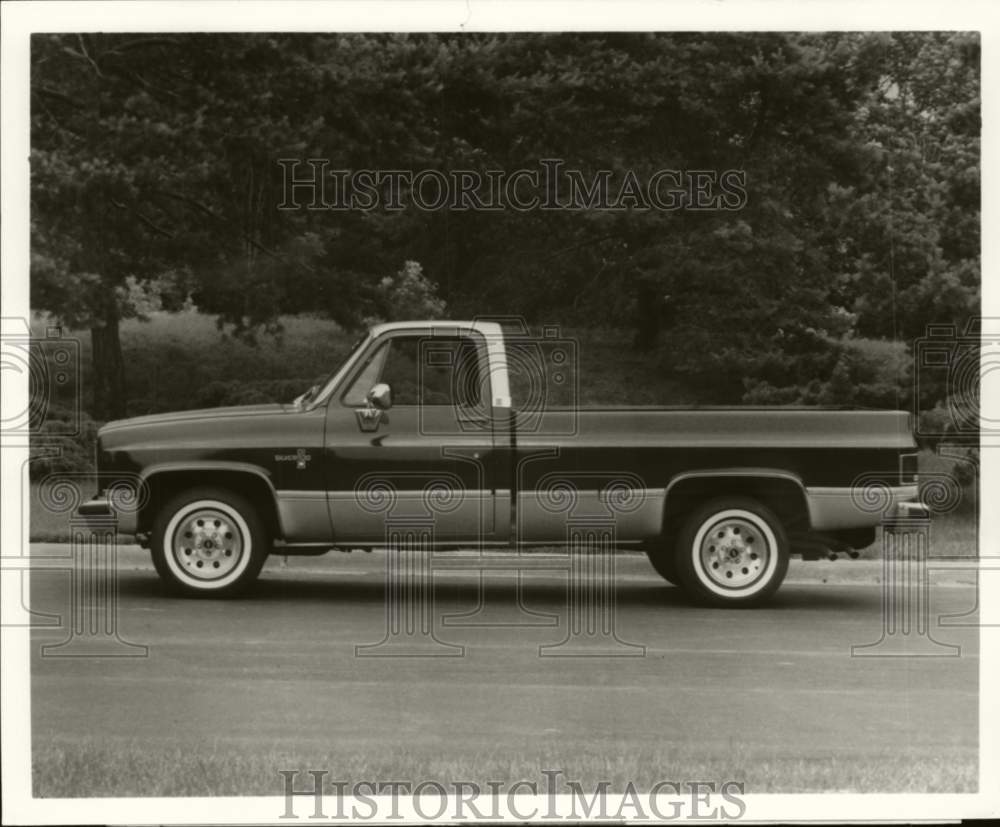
(912, 509)
(832, 509)
(99, 509)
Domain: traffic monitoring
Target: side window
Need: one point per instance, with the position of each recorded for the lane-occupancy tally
(369, 376)
(467, 381)
(423, 370)
(400, 370)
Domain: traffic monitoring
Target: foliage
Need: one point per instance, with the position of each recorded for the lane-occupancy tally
(248, 392)
(181, 363)
(410, 295)
(155, 182)
(868, 373)
(909, 229)
(71, 453)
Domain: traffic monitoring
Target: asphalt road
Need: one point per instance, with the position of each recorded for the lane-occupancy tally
(280, 666)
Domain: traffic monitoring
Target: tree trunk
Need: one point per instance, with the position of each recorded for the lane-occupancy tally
(109, 368)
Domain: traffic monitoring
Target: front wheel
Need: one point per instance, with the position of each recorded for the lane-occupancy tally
(208, 542)
(732, 551)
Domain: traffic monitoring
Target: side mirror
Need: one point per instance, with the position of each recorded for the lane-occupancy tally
(380, 396)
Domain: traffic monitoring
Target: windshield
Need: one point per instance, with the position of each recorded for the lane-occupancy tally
(311, 398)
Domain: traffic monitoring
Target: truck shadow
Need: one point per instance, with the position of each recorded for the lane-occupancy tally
(467, 593)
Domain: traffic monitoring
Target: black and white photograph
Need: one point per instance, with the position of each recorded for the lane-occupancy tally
(485, 411)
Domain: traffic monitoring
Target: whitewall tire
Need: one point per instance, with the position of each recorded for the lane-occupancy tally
(732, 551)
(209, 543)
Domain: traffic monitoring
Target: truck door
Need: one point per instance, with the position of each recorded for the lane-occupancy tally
(429, 457)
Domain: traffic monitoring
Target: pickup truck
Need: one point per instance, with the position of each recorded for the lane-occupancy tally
(417, 431)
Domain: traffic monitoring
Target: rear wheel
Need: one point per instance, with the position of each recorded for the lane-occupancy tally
(208, 542)
(732, 551)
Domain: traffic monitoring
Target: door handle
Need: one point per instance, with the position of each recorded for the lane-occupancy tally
(465, 453)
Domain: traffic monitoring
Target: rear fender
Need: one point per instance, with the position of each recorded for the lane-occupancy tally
(782, 491)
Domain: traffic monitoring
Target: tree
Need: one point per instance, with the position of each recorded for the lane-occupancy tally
(149, 178)
(100, 143)
(909, 234)
(155, 175)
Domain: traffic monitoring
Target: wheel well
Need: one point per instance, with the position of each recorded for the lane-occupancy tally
(783, 496)
(166, 484)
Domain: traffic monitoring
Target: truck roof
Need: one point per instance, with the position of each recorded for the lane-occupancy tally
(486, 328)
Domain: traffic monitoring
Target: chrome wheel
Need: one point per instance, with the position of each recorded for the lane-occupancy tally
(734, 552)
(207, 545)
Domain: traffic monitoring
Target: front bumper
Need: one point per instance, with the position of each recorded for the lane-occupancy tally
(100, 510)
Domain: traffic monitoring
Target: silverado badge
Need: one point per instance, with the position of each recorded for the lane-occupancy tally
(300, 458)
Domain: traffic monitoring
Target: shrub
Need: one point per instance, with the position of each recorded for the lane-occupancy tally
(933, 425)
(73, 454)
(869, 373)
(239, 392)
(408, 295)
(862, 372)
